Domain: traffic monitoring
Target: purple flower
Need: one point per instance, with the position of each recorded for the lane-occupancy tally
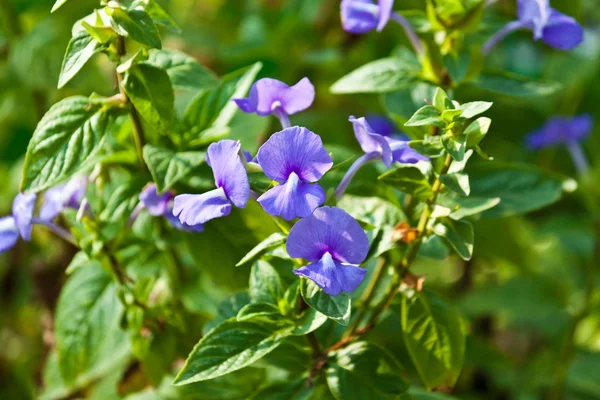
(64, 196)
(334, 243)
(270, 96)
(377, 146)
(564, 131)
(161, 205)
(232, 183)
(20, 223)
(361, 16)
(554, 28)
(382, 125)
(295, 158)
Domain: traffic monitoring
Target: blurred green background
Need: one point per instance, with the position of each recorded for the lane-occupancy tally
(527, 275)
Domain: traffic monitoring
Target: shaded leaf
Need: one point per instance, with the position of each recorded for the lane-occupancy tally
(336, 308)
(169, 167)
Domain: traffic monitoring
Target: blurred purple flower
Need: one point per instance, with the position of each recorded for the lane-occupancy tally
(20, 223)
(295, 158)
(58, 198)
(156, 204)
(232, 184)
(564, 131)
(553, 27)
(361, 16)
(381, 124)
(377, 146)
(270, 96)
(334, 243)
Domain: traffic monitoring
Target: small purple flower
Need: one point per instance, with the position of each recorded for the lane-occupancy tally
(232, 184)
(295, 158)
(361, 16)
(377, 146)
(20, 223)
(161, 205)
(58, 198)
(564, 131)
(382, 125)
(270, 96)
(334, 243)
(554, 28)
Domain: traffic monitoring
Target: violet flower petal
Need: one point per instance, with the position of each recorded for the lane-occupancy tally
(328, 229)
(176, 223)
(229, 171)
(297, 150)
(58, 198)
(156, 204)
(9, 234)
(22, 212)
(332, 276)
(559, 131)
(195, 209)
(562, 32)
(292, 199)
(370, 141)
(267, 94)
(385, 12)
(359, 16)
(403, 153)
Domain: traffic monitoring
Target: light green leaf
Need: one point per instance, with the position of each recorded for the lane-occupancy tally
(149, 89)
(336, 308)
(477, 130)
(229, 347)
(80, 49)
(71, 132)
(459, 234)
(409, 180)
(364, 371)
(57, 5)
(430, 146)
(123, 200)
(441, 101)
(470, 110)
(274, 240)
(380, 76)
(265, 284)
(521, 188)
(135, 24)
(158, 15)
(458, 182)
(185, 72)
(456, 146)
(262, 312)
(435, 338)
(168, 167)
(426, 115)
(87, 326)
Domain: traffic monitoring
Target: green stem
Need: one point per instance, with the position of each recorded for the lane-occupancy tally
(136, 122)
(367, 296)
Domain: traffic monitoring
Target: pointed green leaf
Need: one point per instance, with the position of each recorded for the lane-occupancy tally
(336, 308)
(458, 182)
(431, 146)
(168, 167)
(135, 24)
(149, 89)
(71, 132)
(409, 180)
(441, 101)
(516, 86)
(80, 49)
(435, 338)
(425, 116)
(265, 284)
(158, 15)
(185, 72)
(459, 234)
(230, 346)
(470, 110)
(456, 146)
(262, 311)
(477, 130)
(274, 240)
(57, 5)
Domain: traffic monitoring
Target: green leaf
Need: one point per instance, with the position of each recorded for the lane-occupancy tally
(409, 180)
(380, 76)
(435, 338)
(71, 132)
(158, 15)
(456, 146)
(364, 371)
(294, 390)
(415, 393)
(462, 207)
(458, 182)
(521, 188)
(229, 347)
(470, 110)
(123, 200)
(459, 234)
(169, 167)
(477, 130)
(57, 5)
(265, 284)
(431, 146)
(516, 86)
(274, 240)
(80, 49)
(425, 116)
(87, 325)
(262, 311)
(185, 72)
(135, 24)
(441, 101)
(336, 308)
(149, 89)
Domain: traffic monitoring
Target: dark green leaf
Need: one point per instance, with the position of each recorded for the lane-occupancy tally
(228, 347)
(513, 85)
(458, 182)
(265, 284)
(294, 390)
(364, 371)
(88, 335)
(425, 116)
(435, 338)
(459, 234)
(381, 76)
(272, 241)
(335, 307)
(409, 180)
(520, 187)
(122, 201)
(135, 24)
(149, 89)
(185, 72)
(168, 167)
(71, 132)
(80, 49)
